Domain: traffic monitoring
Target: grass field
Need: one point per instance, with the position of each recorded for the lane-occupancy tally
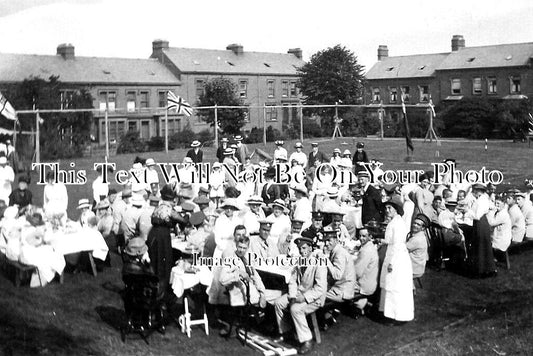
(454, 315)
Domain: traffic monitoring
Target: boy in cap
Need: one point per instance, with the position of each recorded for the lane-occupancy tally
(315, 155)
(307, 293)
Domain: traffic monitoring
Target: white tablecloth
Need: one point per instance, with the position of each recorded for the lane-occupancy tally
(181, 281)
(85, 239)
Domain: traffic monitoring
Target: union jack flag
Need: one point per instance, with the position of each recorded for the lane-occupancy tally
(177, 103)
(6, 109)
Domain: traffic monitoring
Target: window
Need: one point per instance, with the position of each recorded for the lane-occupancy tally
(107, 100)
(162, 99)
(284, 88)
(246, 112)
(271, 113)
(243, 88)
(144, 99)
(405, 93)
(491, 85)
(293, 89)
(393, 95)
(132, 125)
(131, 101)
(476, 86)
(424, 93)
(173, 126)
(270, 88)
(200, 86)
(116, 130)
(66, 99)
(515, 85)
(456, 86)
(376, 96)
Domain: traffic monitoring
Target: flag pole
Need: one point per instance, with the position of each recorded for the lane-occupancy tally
(106, 134)
(216, 126)
(300, 111)
(37, 138)
(264, 126)
(166, 131)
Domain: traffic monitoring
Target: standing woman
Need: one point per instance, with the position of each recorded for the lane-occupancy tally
(481, 257)
(396, 280)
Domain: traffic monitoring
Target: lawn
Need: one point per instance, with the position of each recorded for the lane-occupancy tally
(454, 315)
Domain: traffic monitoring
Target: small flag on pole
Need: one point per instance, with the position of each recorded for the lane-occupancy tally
(408, 140)
(177, 103)
(6, 109)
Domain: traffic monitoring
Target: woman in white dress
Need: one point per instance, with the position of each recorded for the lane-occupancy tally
(396, 280)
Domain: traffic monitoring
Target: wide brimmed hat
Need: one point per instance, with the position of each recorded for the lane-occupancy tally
(84, 203)
(301, 188)
(337, 150)
(479, 186)
(150, 162)
(314, 144)
(332, 192)
(102, 204)
(298, 145)
(167, 193)
(231, 203)
(396, 203)
(255, 200)
(137, 200)
(203, 190)
(201, 200)
(279, 203)
(450, 202)
(136, 247)
(224, 139)
(279, 143)
(238, 138)
(347, 152)
(195, 143)
(360, 145)
(229, 151)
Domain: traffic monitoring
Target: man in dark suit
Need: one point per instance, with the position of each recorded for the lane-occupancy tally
(372, 206)
(195, 153)
(316, 154)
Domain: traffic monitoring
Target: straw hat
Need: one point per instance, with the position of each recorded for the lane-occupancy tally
(279, 203)
(231, 203)
(195, 143)
(396, 203)
(84, 203)
(136, 247)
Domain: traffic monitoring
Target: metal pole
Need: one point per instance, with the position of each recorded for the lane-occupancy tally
(264, 125)
(301, 113)
(336, 118)
(166, 131)
(37, 138)
(106, 134)
(216, 126)
(381, 118)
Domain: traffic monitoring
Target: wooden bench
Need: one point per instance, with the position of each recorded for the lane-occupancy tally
(21, 270)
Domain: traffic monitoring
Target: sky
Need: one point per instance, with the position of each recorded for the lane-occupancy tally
(126, 28)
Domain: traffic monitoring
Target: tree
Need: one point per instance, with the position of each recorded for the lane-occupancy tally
(222, 92)
(63, 135)
(330, 76)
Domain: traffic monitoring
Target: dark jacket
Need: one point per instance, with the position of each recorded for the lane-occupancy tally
(359, 157)
(319, 155)
(196, 157)
(21, 198)
(372, 205)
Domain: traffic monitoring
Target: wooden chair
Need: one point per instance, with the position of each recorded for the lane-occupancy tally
(316, 330)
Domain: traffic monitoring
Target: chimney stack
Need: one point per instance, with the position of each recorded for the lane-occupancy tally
(458, 41)
(383, 52)
(65, 50)
(296, 51)
(236, 48)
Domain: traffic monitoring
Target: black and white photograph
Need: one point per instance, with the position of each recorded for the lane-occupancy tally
(266, 178)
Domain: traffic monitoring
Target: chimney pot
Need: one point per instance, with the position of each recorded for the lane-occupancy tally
(383, 52)
(297, 52)
(65, 50)
(236, 48)
(458, 41)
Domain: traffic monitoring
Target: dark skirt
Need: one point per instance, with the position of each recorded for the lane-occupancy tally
(480, 257)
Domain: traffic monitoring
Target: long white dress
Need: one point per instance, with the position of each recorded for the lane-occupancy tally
(397, 286)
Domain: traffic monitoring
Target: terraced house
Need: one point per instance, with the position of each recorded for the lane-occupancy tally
(501, 71)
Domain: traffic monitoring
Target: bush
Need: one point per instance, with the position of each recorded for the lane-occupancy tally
(182, 139)
(255, 136)
(273, 134)
(131, 143)
(205, 136)
(156, 143)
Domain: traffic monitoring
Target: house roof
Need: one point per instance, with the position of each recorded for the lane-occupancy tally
(415, 66)
(196, 60)
(502, 55)
(17, 67)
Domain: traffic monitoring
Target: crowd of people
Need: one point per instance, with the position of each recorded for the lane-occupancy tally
(375, 237)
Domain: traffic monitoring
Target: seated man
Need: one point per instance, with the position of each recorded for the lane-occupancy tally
(239, 278)
(286, 245)
(337, 224)
(341, 270)
(417, 244)
(313, 231)
(366, 269)
(307, 293)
